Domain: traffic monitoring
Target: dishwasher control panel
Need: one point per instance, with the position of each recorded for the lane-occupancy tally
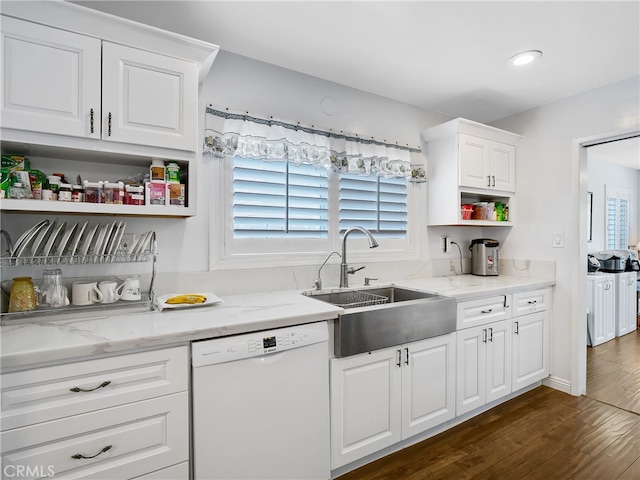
(227, 349)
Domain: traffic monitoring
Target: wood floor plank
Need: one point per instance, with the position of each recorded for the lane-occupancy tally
(631, 473)
(614, 460)
(563, 464)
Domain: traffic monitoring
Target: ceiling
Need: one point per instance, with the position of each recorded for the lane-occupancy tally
(445, 56)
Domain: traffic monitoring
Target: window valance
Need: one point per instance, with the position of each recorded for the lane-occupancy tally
(231, 134)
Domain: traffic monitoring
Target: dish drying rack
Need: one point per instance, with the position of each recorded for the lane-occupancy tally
(355, 299)
(150, 254)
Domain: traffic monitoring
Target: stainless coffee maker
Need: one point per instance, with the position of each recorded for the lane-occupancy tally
(484, 256)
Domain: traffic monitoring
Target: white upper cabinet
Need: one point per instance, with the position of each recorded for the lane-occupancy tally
(471, 170)
(486, 164)
(148, 98)
(53, 85)
(51, 80)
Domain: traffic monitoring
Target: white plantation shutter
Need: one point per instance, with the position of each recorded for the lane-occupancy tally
(278, 200)
(617, 218)
(376, 203)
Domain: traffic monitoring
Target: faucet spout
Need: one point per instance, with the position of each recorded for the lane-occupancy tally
(344, 267)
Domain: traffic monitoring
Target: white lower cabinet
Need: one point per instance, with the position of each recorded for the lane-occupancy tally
(120, 442)
(382, 397)
(625, 303)
(483, 365)
(498, 358)
(530, 349)
(601, 322)
(112, 417)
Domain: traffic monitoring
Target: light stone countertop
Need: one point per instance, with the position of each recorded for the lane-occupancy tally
(57, 339)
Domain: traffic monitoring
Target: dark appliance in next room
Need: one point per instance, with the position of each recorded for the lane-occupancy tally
(617, 260)
(484, 256)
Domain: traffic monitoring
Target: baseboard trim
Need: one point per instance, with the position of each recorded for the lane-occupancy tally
(558, 384)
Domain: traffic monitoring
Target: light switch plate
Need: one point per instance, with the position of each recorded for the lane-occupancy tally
(558, 240)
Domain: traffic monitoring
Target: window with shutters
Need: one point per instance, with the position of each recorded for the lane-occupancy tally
(280, 208)
(617, 217)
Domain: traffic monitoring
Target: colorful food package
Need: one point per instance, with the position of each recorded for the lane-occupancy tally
(15, 163)
(156, 193)
(176, 194)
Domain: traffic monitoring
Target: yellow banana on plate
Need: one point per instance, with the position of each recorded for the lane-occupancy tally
(189, 298)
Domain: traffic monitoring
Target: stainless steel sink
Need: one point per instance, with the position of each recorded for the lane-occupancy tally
(376, 318)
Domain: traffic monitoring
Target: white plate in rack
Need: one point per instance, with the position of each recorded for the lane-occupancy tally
(67, 239)
(76, 244)
(96, 249)
(41, 239)
(142, 239)
(117, 237)
(51, 247)
(88, 240)
(109, 237)
(26, 237)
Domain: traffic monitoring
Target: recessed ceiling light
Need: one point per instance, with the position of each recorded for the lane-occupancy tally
(525, 57)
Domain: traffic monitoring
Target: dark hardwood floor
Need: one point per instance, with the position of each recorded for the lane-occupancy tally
(544, 434)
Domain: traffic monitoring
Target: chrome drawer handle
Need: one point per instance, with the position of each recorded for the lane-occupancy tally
(109, 125)
(486, 311)
(78, 389)
(532, 302)
(92, 120)
(79, 456)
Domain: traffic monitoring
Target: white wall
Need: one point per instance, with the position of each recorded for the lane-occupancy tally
(602, 173)
(550, 180)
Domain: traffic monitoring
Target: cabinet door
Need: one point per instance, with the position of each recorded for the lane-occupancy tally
(149, 99)
(601, 322)
(530, 349)
(473, 156)
(365, 404)
(499, 361)
(625, 303)
(428, 384)
(470, 369)
(50, 80)
(502, 169)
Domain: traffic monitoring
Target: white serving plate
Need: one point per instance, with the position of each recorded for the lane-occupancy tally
(161, 300)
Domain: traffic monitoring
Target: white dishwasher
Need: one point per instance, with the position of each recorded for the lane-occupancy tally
(261, 405)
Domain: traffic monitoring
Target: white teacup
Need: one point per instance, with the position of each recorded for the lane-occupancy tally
(129, 290)
(109, 293)
(85, 293)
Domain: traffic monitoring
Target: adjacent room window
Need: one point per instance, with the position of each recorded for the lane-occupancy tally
(617, 217)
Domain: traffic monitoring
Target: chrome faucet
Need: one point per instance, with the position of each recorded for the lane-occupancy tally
(317, 284)
(344, 267)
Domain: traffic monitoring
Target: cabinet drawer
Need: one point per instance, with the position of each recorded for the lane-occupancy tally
(524, 303)
(47, 393)
(175, 472)
(483, 310)
(119, 442)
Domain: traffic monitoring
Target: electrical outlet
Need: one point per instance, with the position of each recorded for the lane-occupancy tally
(446, 244)
(452, 266)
